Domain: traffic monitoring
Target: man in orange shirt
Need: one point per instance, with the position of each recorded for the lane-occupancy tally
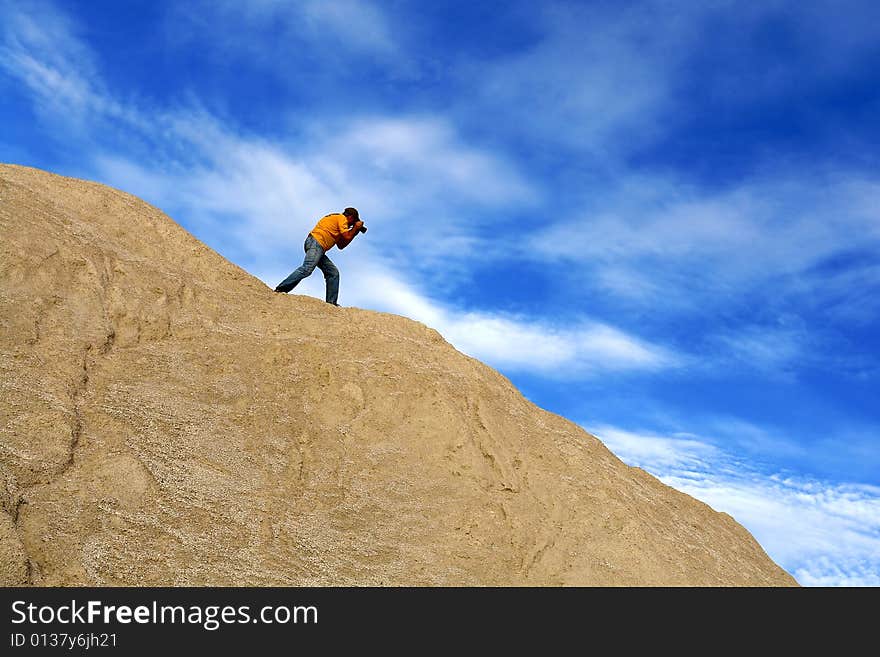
(332, 230)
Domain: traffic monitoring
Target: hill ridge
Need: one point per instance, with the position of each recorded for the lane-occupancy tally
(168, 419)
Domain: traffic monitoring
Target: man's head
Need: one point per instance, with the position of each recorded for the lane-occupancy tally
(353, 218)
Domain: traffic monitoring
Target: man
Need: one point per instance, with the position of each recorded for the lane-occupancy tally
(333, 229)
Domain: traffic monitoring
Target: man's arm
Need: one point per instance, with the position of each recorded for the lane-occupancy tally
(346, 237)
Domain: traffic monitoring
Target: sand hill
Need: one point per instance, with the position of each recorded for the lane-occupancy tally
(166, 419)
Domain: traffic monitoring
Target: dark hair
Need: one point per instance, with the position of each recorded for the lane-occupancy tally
(351, 212)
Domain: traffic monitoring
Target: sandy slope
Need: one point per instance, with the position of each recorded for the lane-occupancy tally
(167, 419)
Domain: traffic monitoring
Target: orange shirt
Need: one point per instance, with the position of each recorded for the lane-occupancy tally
(330, 229)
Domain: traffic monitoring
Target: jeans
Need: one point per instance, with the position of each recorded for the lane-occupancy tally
(315, 257)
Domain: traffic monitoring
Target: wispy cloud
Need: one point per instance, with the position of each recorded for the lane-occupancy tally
(607, 79)
(403, 152)
(512, 343)
(590, 74)
(772, 349)
(746, 260)
(39, 48)
(553, 351)
(679, 451)
(265, 30)
(823, 532)
(772, 226)
(373, 32)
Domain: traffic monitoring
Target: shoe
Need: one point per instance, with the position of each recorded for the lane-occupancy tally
(279, 291)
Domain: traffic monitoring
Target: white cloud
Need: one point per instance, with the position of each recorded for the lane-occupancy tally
(769, 226)
(410, 150)
(265, 30)
(355, 22)
(552, 351)
(606, 79)
(775, 350)
(824, 533)
(681, 451)
(760, 255)
(592, 75)
(41, 50)
(509, 342)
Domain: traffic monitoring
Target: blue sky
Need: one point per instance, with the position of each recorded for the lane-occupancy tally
(658, 219)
